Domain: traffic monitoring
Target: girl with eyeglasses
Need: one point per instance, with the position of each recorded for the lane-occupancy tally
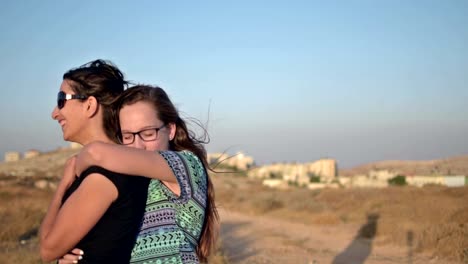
(100, 211)
(180, 223)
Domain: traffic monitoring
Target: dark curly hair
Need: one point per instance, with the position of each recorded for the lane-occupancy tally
(102, 80)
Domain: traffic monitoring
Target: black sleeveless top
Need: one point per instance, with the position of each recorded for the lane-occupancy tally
(112, 238)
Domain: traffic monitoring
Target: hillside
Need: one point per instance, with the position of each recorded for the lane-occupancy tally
(46, 165)
(450, 166)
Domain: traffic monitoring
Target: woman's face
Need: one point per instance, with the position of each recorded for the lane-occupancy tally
(70, 116)
(143, 117)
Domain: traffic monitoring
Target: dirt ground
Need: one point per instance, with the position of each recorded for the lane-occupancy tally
(295, 225)
(259, 239)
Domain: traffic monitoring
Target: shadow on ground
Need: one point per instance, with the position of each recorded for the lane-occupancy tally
(238, 249)
(361, 247)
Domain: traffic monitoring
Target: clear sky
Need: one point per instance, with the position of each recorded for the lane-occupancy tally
(358, 81)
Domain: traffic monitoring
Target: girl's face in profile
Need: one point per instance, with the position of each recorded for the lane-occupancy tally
(139, 123)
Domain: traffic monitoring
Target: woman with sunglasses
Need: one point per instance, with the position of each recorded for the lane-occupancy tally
(181, 221)
(100, 211)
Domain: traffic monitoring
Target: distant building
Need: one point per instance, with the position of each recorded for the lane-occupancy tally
(31, 153)
(374, 179)
(325, 168)
(421, 180)
(382, 175)
(300, 173)
(12, 156)
(445, 180)
(367, 181)
(239, 161)
(455, 181)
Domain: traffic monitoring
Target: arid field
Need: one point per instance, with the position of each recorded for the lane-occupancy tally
(433, 220)
(428, 225)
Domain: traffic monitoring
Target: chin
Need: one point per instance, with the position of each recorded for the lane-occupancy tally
(67, 137)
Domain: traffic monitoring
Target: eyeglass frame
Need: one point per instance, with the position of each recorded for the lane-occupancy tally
(63, 97)
(139, 135)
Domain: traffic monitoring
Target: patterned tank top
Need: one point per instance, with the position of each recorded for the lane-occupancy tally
(172, 225)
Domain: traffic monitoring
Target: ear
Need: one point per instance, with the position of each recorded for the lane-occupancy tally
(91, 106)
(172, 130)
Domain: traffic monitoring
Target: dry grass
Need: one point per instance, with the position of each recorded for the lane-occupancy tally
(435, 218)
(218, 256)
(21, 212)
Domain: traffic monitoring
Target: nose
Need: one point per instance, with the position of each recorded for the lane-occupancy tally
(138, 143)
(55, 113)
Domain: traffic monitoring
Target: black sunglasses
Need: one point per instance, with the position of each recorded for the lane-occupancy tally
(62, 97)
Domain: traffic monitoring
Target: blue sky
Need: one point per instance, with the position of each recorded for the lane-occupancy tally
(358, 81)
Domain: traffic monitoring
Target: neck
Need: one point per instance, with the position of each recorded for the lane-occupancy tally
(92, 134)
(93, 130)
(104, 139)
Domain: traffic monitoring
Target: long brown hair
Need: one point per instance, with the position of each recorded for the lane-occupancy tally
(184, 139)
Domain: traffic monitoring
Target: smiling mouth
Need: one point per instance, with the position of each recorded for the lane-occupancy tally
(61, 123)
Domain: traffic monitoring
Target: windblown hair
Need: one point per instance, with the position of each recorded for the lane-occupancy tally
(104, 81)
(184, 140)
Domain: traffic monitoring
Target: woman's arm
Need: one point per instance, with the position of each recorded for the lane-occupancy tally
(126, 160)
(68, 225)
(67, 179)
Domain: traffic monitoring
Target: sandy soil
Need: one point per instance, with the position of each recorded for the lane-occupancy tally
(258, 239)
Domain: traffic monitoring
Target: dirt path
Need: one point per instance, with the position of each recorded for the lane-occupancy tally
(258, 239)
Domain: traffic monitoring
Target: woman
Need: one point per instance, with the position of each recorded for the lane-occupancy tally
(100, 211)
(180, 222)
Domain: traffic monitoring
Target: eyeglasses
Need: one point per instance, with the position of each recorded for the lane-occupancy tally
(62, 97)
(147, 134)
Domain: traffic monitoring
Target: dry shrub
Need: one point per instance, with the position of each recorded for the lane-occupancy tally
(299, 199)
(266, 202)
(326, 218)
(449, 239)
(21, 211)
(16, 253)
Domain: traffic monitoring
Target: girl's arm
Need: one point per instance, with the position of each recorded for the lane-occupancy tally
(126, 160)
(65, 226)
(73, 256)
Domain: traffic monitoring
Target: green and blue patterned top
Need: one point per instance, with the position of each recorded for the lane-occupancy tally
(172, 225)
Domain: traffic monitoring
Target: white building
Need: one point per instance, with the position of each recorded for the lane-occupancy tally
(445, 180)
(12, 156)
